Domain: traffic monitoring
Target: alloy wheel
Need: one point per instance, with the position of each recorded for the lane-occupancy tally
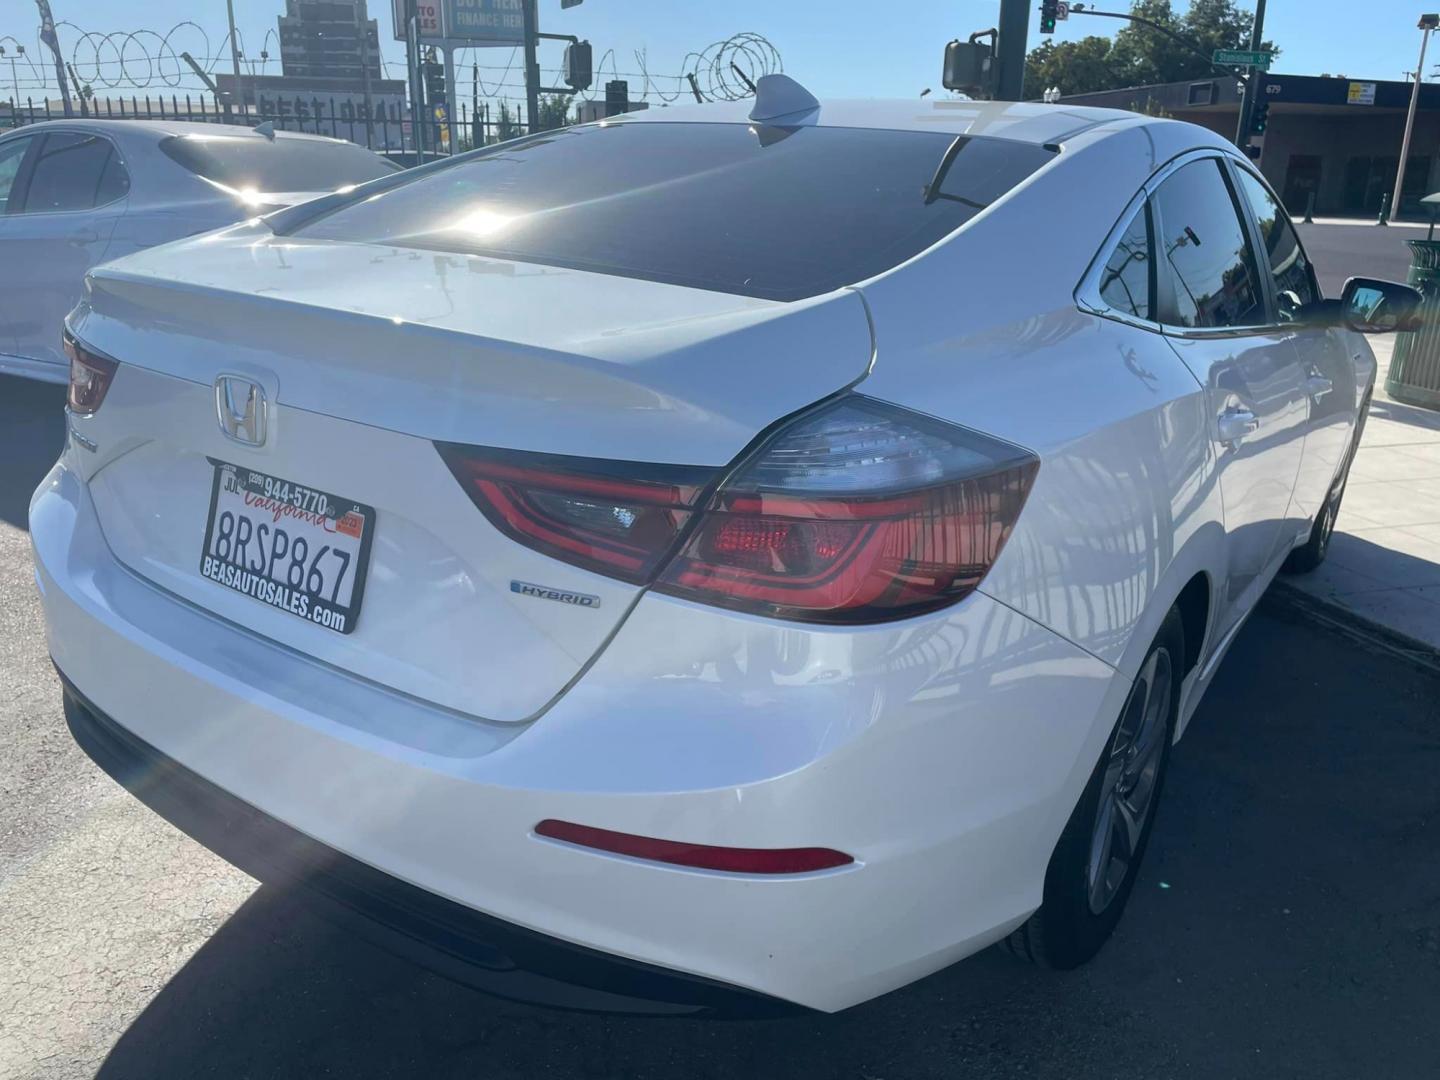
(1132, 770)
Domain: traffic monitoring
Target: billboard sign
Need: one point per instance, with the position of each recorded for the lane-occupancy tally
(484, 22)
(430, 14)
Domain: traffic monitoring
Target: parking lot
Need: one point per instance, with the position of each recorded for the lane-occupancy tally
(1286, 923)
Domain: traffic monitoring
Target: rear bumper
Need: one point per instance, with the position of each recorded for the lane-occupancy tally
(944, 754)
(457, 941)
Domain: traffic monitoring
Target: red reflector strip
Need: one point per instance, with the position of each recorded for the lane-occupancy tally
(701, 856)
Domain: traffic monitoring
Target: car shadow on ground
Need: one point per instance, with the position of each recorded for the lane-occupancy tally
(32, 417)
(1401, 413)
(1287, 922)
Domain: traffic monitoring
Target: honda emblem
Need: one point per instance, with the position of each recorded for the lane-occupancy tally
(241, 409)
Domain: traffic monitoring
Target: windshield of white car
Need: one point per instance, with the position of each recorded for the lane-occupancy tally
(255, 163)
(776, 213)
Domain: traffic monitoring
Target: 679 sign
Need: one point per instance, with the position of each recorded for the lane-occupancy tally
(292, 547)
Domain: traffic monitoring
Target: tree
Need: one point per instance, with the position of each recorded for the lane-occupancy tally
(1070, 65)
(506, 125)
(1139, 55)
(554, 112)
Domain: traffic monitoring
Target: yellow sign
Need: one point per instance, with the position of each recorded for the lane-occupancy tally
(1361, 93)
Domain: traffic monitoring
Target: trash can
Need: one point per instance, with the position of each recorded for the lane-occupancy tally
(1414, 375)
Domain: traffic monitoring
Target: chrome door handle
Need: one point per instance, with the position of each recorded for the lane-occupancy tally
(1318, 386)
(1236, 424)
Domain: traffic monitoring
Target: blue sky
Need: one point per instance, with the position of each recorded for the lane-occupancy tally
(836, 47)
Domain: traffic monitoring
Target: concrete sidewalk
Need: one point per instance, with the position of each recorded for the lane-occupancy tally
(1384, 560)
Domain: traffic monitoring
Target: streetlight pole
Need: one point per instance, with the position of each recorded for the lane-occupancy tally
(1427, 23)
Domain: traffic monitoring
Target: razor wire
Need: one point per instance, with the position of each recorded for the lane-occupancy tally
(150, 59)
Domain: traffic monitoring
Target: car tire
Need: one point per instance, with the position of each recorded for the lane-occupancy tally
(1089, 879)
(1312, 553)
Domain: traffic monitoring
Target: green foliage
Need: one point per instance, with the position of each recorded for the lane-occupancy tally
(507, 125)
(1139, 55)
(554, 112)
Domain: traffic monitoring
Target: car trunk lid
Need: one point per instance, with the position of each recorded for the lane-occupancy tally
(365, 357)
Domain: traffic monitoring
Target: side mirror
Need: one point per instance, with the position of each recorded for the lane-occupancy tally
(1372, 306)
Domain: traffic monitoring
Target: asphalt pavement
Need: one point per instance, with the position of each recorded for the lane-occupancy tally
(1363, 249)
(1286, 923)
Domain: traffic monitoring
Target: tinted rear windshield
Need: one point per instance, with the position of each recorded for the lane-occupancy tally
(256, 163)
(778, 213)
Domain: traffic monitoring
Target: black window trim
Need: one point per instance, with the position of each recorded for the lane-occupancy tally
(33, 155)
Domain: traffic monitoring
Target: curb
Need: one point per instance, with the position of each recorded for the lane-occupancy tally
(1340, 619)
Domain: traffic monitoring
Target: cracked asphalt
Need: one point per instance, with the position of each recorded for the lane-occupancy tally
(1286, 924)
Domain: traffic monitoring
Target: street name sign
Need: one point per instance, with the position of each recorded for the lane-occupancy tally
(1244, 58)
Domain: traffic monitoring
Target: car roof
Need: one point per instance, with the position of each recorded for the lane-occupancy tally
(1021, 121)
(155, 130)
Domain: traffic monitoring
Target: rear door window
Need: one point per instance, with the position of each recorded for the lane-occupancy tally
(779, 213)
(255, 163)
(12, 155)
(74, 170)
(1206, 251)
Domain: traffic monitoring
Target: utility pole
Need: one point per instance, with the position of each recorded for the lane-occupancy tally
(1426, 24)
(235, 51)
(1247, 99)
(532, 66)
(14, 78)
(417, 96)
(362, 25)
(1010, 49)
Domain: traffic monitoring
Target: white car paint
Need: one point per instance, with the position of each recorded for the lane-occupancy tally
(945, 751)
(44, 256)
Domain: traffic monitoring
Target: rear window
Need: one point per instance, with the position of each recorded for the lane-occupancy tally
(252, 162)
(778, 213)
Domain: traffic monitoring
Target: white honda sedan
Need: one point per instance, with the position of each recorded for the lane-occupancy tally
(74, 193)
(701, 560)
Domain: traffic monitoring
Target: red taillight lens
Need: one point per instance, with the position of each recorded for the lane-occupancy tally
(616, 518)
(858, 512)
(90, 375)
(805, 860)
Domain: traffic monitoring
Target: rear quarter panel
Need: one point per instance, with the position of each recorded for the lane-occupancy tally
(983, 331)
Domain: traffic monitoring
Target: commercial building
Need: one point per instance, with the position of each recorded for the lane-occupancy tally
(322, 39)
(1331, 136)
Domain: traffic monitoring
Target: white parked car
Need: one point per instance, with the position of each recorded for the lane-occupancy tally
(700, 562)
(74, 193)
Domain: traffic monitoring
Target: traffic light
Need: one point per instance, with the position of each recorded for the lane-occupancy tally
(578, 69)
(434, 82)
(617, 97)
(1049, 14)
(1260, 117)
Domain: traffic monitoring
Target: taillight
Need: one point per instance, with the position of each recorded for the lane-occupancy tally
(90, 376)
(616, 518)
(858, 512)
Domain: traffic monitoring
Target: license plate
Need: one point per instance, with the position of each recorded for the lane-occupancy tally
(287, 545)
